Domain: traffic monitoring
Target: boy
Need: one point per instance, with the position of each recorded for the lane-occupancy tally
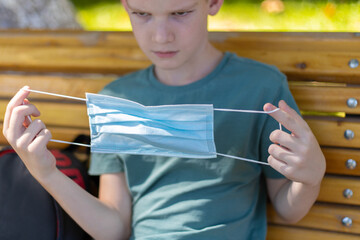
(153, 197)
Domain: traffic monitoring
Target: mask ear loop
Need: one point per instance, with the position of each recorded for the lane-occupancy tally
(249, 111)
(246, 111)
(63, 96)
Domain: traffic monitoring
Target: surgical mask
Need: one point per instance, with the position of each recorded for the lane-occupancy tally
(122, 126)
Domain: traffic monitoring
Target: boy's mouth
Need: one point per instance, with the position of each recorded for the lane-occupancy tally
(165, 54)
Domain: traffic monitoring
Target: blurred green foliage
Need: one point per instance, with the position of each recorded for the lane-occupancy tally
(242, 15)
(89, 3)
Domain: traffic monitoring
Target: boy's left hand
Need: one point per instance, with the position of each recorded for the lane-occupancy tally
(297, 155)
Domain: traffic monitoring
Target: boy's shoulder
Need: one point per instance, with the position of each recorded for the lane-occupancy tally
(128, 79)
(256, 72)
(242, 63)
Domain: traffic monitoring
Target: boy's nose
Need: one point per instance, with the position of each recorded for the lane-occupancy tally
(162, 33)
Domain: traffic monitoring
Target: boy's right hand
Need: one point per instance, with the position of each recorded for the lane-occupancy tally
(28, 139)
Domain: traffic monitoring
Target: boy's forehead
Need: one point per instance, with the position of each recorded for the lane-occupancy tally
(161, 5)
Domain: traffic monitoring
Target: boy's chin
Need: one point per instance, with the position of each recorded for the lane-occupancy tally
(167, 64)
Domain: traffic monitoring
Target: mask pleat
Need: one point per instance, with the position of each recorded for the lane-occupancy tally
(158, 145)
(128, 120)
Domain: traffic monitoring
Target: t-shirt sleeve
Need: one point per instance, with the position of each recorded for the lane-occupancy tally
(101, 163)
(271, 124)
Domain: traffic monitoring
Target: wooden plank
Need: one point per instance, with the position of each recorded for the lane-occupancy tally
(61, 38)
(336, 159)
(58, 114)
(293, 53)
(75, 86)
(228, 40)
(71, 59)
(123, 60)
(325, 217)
(332, 190)
(330, 132)
(325, 98)
(276, 232)
(85, 52)
(300, 41)
(329, 66)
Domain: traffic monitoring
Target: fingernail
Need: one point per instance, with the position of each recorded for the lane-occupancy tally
(25, 88)
(269, 107)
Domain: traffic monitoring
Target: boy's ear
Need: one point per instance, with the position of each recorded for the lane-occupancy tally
(214, 6)
(124, 3)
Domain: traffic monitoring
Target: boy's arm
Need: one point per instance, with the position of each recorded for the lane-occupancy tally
(291, 200)
(105, 219)
(299, 158)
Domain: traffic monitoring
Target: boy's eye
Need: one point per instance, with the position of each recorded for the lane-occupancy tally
(141, 14)
(181, 14)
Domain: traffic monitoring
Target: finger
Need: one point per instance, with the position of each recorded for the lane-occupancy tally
(41, 140)
(17, 100)
(281, 153)
(16, 122)
(288, 117)
(28, 119)
(275, 163)
(280, 166)
(284, 139)
(31, 132)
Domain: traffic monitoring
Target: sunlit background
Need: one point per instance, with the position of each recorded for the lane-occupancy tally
(242, 15)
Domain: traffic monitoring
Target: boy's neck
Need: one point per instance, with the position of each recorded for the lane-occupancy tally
(191, 72)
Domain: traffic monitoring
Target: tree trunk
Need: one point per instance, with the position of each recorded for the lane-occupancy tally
(37, 14)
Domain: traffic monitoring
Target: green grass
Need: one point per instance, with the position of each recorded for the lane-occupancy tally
(305, 15)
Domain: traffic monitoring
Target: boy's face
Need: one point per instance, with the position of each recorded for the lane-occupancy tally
(171, 32)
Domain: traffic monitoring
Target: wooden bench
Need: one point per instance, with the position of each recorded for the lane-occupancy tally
(323, 73)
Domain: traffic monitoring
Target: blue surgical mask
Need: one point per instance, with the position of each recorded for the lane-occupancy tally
(121, 126)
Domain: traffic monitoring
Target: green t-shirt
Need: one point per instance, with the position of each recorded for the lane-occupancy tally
(220, 198)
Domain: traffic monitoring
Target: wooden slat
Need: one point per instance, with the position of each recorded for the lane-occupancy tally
(336, 160)
(276, 232)
(322, 66)
(71, 59)
(293, 53)
(227, 40)
(68, 85)
(325, 99)
(325, 217)
(332, 189)
(58, 114)
(331, 132)
(90, 52)
(61, 38)
(300, 41)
